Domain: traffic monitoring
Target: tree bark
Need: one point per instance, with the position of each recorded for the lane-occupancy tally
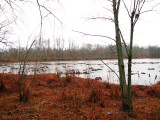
(130, 63)
(124, 92)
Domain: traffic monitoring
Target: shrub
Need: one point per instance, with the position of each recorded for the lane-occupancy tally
(96, 96)
(154, 91)
(2, 86)
(68, 78)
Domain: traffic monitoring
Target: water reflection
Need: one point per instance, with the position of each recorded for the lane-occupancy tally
(144, 71)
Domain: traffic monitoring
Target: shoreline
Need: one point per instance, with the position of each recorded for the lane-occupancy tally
(86, 59)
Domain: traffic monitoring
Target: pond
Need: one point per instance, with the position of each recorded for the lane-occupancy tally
(144, 71)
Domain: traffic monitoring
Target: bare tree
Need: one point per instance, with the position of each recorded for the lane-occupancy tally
(134, 14)
(23, 96)
(134, 11)
(43, 6)
(5, 23)
(44, 11)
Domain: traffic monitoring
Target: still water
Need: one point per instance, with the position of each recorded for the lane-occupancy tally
(144, 71)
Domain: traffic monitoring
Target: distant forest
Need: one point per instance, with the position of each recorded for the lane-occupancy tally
(85, 52)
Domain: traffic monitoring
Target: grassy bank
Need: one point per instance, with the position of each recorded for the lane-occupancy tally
(71, 59)
(73, 98)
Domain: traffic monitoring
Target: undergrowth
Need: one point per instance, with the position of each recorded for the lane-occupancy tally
(70, 97)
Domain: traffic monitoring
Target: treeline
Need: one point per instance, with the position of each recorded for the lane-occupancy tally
(87, 51)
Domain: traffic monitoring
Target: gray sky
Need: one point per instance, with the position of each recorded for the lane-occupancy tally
(74, 15)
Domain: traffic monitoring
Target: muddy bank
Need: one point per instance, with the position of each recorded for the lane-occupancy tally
(74, 98)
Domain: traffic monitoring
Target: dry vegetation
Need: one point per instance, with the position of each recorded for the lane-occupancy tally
(74, 98)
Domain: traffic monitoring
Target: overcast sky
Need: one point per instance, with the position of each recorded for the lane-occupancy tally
(74, 15)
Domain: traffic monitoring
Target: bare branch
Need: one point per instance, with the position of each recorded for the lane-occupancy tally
(137, 4)
(40, 6)
(131, 6)
(110, 69)
(118, 5)
(59, 3)
(3, 24)
(14, 6)
(94, 35)
(108, 10)
(51, 13)
(101, 18)
(152, 9)
(13, 9)
(126, 8)
(141, 6)
(41, 18)
(125, 45)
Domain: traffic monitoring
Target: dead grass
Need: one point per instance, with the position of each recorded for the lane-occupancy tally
(74, 98)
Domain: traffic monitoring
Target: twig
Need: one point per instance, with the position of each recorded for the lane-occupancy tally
(101, 18)
(126, 8)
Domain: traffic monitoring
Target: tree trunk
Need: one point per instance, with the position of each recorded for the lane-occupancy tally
(124, 92)
(130, 64)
